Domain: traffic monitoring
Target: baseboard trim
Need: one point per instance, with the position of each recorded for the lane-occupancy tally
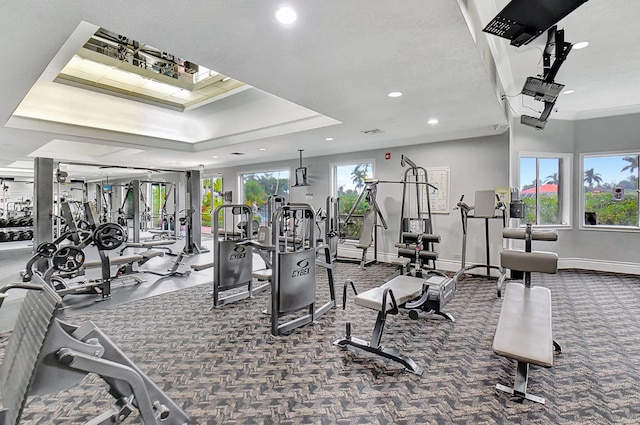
(599, 265)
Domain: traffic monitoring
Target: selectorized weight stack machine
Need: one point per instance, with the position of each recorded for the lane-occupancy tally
(233, 258)
(293, 284)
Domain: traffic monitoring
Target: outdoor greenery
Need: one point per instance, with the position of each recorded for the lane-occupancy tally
(258, 187)
(548, 209)
(348, 197)
(598, 196)
(610, 212)
(208, 207)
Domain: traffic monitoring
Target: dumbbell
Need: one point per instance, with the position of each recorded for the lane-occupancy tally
(14, 236)
(4, 237)
(4, 222)
(29, 234)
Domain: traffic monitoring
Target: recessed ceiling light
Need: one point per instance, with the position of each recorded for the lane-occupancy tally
(432, 121)
(214, 156)
(568, 92)
(329, 139)
(580, 45)
(395, 94)
(225, 79)
(263, 149)
(286, 15)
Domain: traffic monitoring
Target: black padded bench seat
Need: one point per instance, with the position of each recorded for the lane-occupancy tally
(524, 333)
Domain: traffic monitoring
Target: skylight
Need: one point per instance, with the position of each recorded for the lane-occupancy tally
(116, 65)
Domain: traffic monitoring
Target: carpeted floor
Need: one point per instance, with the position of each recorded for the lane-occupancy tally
(224, 367)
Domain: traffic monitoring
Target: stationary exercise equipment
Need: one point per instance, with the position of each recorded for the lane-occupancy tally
(416, 241)
(73, 232)
(295, 257)
(418, 295)
(46, 355)
(487, 203)
(524, 330)
(233, 259)
(369, 229)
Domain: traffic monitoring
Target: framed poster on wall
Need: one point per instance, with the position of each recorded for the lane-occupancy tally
(439, 197)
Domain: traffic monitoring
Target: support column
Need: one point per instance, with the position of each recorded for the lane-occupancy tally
(42, 200)
(194, 211)
(135, 191)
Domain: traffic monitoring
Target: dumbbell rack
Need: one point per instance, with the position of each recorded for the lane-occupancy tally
(16, 229)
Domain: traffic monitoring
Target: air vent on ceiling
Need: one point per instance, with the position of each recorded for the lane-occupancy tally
(237, 153)
(372, 131)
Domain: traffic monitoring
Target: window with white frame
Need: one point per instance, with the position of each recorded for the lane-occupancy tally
(610, 190)
(257, 187)
(348, 184)
(545, 188)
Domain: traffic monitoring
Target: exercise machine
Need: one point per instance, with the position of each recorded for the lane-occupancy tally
(416, 241)
(46, 355)
(233, 259)
(416, 294)
(487, 203)
(369, 229)
(295, 257)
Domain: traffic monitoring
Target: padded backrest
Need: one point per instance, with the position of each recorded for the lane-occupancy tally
(537, 261)
(264, 235)
(368, 223)
(23, 349)
(536, 235)
(485, 204)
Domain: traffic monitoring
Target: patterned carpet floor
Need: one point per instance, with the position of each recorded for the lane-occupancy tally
(224, 367)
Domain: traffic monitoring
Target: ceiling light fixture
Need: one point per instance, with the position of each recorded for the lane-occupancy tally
(329, 139)
(580, 45)
(568, 92)
(263, 149)
(395, 94)
(214, 156)
(432, 121)
(286, 15)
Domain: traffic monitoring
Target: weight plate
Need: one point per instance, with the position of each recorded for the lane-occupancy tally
(68, 259)
(109, 236)
(46, 249)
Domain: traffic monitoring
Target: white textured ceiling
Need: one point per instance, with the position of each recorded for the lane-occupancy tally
(337, 62)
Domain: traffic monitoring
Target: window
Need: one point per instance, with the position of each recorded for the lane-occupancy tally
(210, 198)
(544, 189)
(258, 187)
(610, 190)
(349, 181)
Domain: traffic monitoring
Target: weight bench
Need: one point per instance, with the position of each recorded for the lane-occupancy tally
(153, 244)
(45, 355)
(388, 299)
(524, 331)
(126, 263)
